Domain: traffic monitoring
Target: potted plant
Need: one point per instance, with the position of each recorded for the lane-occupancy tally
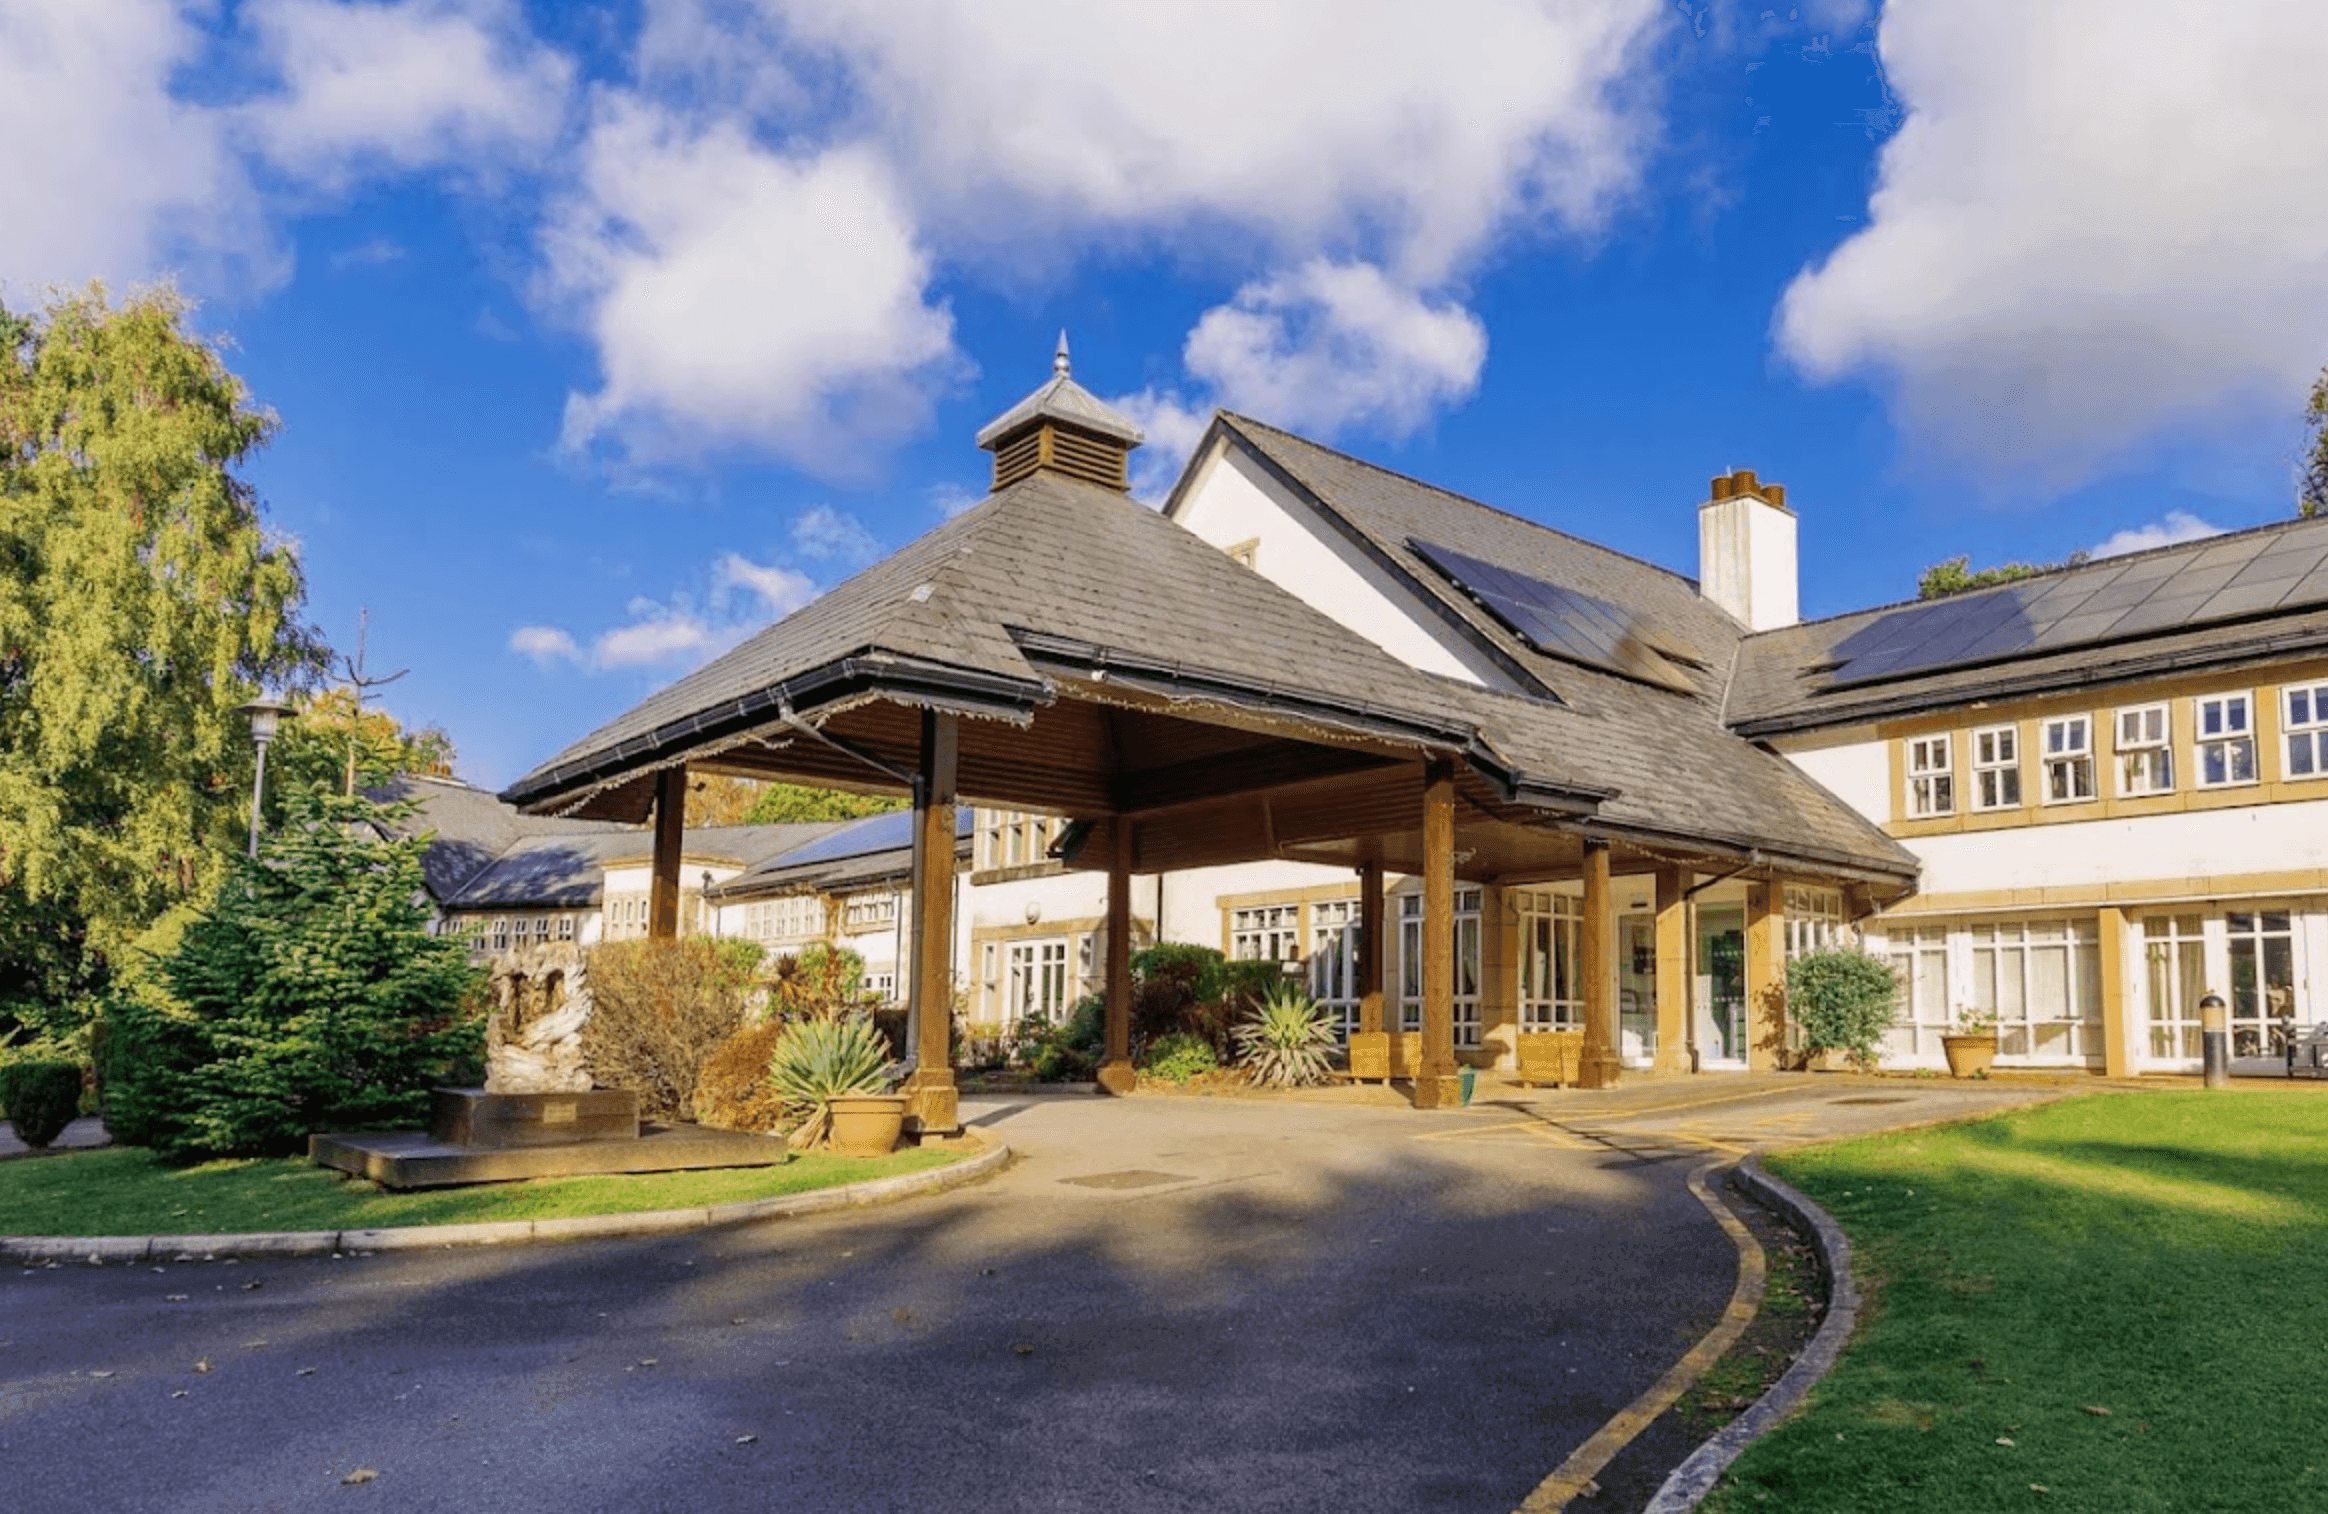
(1843, 1001)
(1971, 1043)
(835, 1074)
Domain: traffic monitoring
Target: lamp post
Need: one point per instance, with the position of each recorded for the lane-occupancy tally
(265, 715)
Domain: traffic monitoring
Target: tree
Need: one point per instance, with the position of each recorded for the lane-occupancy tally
(784, 803)
(2312, 486)
(310, 997)
(142, 601)
(327, 732)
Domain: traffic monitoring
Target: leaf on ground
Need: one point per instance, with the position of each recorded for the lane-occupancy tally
(361, 1474)
(2004, 1440)
(100, 1374)
(745, 1440)
(202, 1364)
(2097, 1411)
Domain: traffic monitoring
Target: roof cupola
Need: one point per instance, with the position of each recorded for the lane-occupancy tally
(1064, 427)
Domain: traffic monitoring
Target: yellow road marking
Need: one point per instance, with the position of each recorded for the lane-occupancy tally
(1575, 1474)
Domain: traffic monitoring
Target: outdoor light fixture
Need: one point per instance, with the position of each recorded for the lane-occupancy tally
(707, 911)
(2215, 1041)
(266, 715)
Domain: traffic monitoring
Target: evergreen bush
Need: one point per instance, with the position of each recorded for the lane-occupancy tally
(40, 1096)
(1843, 1000)
(310, 997)
(1179, 1058)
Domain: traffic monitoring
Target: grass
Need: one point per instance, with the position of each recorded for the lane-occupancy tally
(2116, 1303)
(126, 1191)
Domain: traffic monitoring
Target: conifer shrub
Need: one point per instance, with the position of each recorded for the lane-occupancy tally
(309, 997)
(660, 1011)
(40, 1096)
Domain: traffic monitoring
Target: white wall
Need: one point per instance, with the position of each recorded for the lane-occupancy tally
(2196, 844)
(1853, 764)
(1232, 501)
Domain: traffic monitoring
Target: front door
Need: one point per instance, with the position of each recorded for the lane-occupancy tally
(1721, 986)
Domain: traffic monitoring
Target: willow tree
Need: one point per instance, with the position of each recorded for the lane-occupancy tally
(142, 601)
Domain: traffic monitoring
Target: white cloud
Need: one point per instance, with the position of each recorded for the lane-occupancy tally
(1173, 427)
(544, 644)
(111, 176)
(740, 297)
(824, 534)
(687, 629)
(1314, 125)
(402, 86)
(2174, 526)
(2100, 221)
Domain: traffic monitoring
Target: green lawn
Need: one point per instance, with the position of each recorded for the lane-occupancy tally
(2116, 1303)
(131, 1192)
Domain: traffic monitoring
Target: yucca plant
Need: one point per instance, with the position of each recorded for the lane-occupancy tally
(1290, 1039)
(817, 1061)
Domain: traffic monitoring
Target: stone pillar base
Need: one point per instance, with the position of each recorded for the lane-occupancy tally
(1675, 1059)
(1599, 1072)
(1117, 1077)
(932, 1108)
(1439, 1090)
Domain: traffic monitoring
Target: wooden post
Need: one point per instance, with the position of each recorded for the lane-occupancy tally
(1371, 955)
(1435, 1080)
(1597, 940)
(931, 1104)
(2118, 1028)
(1115, 1072)
(670, 844)
(1674, 953)
(1766, 1048)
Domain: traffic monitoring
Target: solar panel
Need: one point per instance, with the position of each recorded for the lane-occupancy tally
(2251, 575)
(1557, 620)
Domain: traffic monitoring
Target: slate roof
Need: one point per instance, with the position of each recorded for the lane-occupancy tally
(474, 828)
(876, 849)
(2213, 602)
(1062, 399)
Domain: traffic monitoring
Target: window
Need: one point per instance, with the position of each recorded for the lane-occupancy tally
(870, 911)
(1814, 920)
(1266, 933)
(2263, 980)
(2226, 725)
(2043, 980)
(882, 986)
(1015, 838)
(2307, 728)
(1931, 782)
(1996, 768)
(1410, 956)
(565, 927)
(1551, 991)
(1333, 960)
(2069, 760)
(501, 933)
(1919, 954)
(2145, 751)
(2174, 949)
(1035, 979)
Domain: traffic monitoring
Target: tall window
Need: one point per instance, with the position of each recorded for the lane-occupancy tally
(1931, 779)
(2069, 759)
(1333, 959)
(1034, 979)
(1919, 953)
(1266, 933)
(2226, 725)
(1996, 768)
(1814, 920)
(2043, 980)
(1551, 993)
(2145, 751)
(2307, 730)
(2263, 980)
(1410, 959)
(2175, 957)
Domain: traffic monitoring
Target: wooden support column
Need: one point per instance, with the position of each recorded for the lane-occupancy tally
(1435, 1081)
(1766, 1048)
(1675, 964)
(1597, 940)
(931, 1104)
(670, 844)
(2119, 1033)
(1115, 1072)
(1371, 955)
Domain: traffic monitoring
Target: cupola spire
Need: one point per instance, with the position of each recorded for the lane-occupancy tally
(1065, 428)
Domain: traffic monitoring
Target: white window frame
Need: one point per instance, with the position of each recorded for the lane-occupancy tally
(1921, 955)
(2069, 763)
(1468, 905)
(2175, 977)
(1265, 933)
(1333, 959)
(1996, 767)
(1035, 980)
(1931, 776)
(2008, 978)
(1813, 920)
(2144, 746)
(1551, 989)
(2228, 744)
(2304, 708)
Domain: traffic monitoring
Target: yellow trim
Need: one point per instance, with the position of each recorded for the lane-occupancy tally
(2123, 894)
(1316, 893)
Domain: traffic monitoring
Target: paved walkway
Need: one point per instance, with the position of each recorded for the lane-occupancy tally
(1166, 1303)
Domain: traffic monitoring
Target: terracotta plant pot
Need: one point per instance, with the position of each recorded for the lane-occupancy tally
(1969, 1056)
(868, 1124)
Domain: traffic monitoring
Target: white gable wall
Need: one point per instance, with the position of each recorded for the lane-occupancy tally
(1232, 500)
(1852, 764)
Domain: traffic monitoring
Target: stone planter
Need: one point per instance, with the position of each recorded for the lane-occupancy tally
(868, 1124)
(1969, 1056)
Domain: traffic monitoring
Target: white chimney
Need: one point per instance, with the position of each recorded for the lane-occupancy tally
(1746, 551)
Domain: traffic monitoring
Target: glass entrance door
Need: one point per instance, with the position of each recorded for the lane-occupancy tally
(1637, 989)
(1721, 986)
(2262, 947)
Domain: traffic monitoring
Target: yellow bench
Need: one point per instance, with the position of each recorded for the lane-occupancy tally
(1550, 1056)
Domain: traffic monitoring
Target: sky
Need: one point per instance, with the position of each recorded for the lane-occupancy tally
(602, 335)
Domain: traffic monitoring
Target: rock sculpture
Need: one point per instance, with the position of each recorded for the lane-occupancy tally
(541, 998)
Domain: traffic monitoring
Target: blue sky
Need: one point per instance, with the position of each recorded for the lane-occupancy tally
(601, 334)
